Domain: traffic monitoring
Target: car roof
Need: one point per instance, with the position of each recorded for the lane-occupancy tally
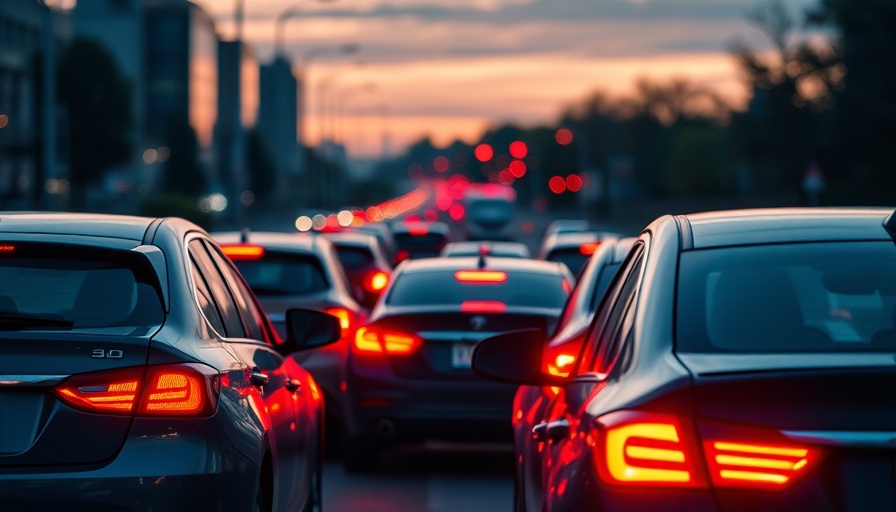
(83, 224)
(352, 238)
(572, 240)
(775, 225)
(472, 248)
(491, 263)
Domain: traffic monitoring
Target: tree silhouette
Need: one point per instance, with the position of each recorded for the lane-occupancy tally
(98, 100)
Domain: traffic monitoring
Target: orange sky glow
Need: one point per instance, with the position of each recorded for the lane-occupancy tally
(450, 70)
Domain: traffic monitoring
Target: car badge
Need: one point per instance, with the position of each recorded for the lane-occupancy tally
(478, 322)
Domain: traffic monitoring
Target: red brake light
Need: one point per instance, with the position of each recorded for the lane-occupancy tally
(420, 230)
(372, 340)
(376, 281)
(756, 465)
(480, 276)
(559, 359)
(648, 449)
(110, 392)
(345, 317)
(589, 248)
(243, 251)
(483, 306)
(165, 390)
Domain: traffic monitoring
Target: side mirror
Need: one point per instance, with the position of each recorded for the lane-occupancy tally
(514, 357)
(306, 328)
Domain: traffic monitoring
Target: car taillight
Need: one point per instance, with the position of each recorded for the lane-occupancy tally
(345, 318)
(243, 251)
(642, 448)
(372, 340)
(734, 464)
(639, 448)
(165, 390)
(589, 248)
(376, 281)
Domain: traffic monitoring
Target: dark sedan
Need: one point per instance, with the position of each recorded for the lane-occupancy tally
(290, 270)
(531, 403)
(408, 376)
(740, 361)
(138, 372)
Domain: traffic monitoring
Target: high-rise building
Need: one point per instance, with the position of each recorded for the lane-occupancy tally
(278, 112)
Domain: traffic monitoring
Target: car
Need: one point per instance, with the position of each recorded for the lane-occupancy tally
(381, 231)
(365, 261)
(741, 360)
(408, 376)
(561, 351)
(493, 248)
(488, 212)
(566, 226)
(140, 373)
(301, 270)
(419, 239)
(572, 249)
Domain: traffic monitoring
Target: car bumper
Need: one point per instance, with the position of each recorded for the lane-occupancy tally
(193, 466)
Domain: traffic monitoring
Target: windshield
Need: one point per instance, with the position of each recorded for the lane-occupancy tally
(789, 298)
(45, 286)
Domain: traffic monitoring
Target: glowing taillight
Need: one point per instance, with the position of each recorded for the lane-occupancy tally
(560, 358)
(166, 390)
(589, 248)
(371, 340)
(111, 392)
(376, 281)
(421, 230)
(561, 365)
(647, 449)
(345, 318)
(243, 251)
(480, 276)
(483, 306)
(756, 465)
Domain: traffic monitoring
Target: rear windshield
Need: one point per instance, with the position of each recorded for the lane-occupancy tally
(284, 274)
(572, 258)
(521, 289)
(420, 246)
(354, 257)
(64, 287)
(816, 297)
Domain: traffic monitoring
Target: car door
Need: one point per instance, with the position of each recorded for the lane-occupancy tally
(277, 383)
(566, 427)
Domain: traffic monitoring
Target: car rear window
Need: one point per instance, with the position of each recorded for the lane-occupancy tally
(571, 257)
(816, 297)
(65, 287)
(284, 274)
(520, 289)
(420, 246)
(354, 257)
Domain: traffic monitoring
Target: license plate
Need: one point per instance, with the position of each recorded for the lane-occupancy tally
(461, 355)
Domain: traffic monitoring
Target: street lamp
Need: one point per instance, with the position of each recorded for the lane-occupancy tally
(281, 22)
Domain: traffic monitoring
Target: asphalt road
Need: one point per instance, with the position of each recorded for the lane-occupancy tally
(426, 478)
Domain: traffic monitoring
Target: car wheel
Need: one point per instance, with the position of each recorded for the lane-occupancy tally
(360, 454)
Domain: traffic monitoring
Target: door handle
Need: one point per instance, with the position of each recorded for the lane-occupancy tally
(293, 385)
(552, 431)
(258, 378)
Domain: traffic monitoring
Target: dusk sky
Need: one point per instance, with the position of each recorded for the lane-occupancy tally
(450, 69)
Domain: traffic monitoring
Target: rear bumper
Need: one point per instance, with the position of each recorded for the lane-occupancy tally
(190, 467)
(391, 409)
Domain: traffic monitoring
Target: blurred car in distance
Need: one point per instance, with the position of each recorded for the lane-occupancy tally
(419, 239)
(741, 360)
(572, 249)
(499, 249)
(408, 376)
(137, 368)
(530, 403)
(366, 263)
(488, 212)
(290, 270)
(380, 230)
(566, 226)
